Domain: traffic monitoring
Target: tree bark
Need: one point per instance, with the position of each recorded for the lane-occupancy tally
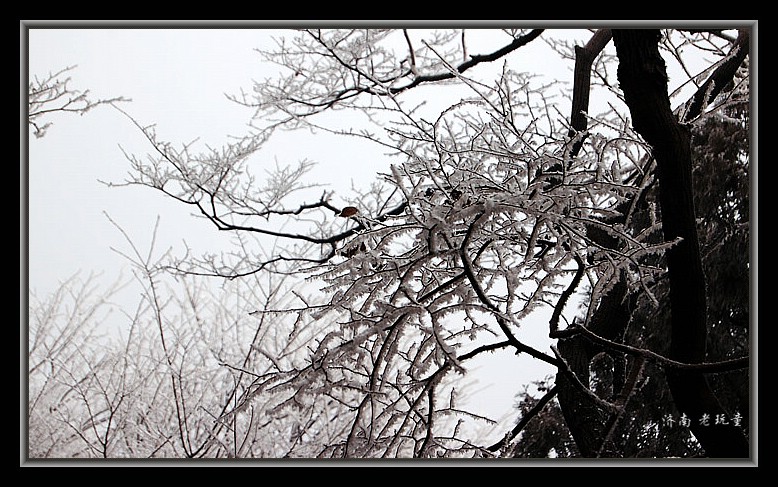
(587, 421)
(582, 74)
(720, 78)
(643, 79)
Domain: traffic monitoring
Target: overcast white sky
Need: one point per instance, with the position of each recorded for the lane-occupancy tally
(176, 79)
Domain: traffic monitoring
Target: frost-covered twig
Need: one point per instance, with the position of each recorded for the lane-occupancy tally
(52, 94)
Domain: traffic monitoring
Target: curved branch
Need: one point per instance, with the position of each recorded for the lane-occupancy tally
(355, 90)
(501, 318)
(580, 386)
(560, 305)
(484, 348)
(525, 420)
(722, 76)
(704, 367)
(473, 61)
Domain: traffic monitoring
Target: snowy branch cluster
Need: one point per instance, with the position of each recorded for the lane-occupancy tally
(53, 94)
(483, 221)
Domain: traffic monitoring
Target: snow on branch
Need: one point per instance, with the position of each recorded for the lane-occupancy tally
(53, 94)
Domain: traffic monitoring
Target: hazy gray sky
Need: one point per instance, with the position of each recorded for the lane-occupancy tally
(176, 80)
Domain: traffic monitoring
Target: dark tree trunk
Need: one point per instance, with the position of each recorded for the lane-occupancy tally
(589, 423)
(584, 58)
(643, 79)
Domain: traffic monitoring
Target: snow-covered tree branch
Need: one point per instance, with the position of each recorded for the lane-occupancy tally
(512, 207)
